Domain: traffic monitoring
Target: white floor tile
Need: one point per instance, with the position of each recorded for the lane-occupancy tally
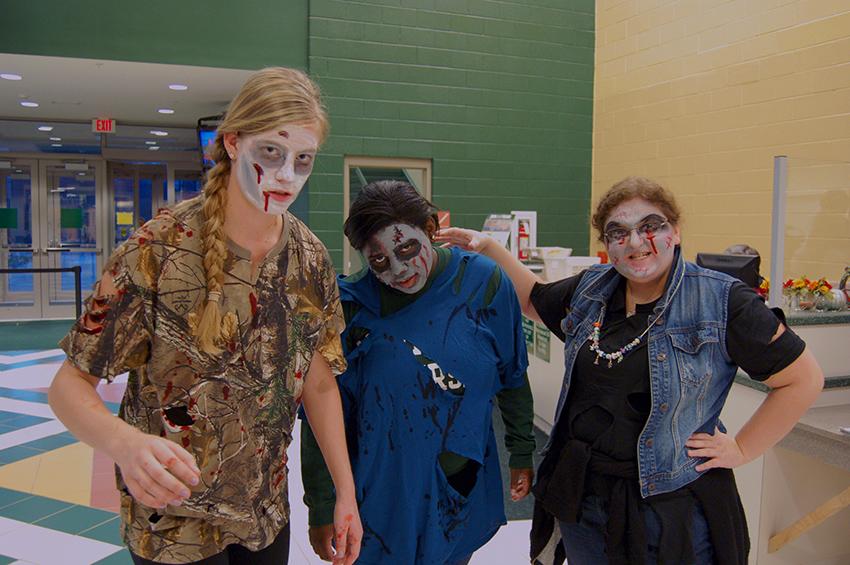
(35, 544)
(31, 433)
(8, 359)
(26, 407)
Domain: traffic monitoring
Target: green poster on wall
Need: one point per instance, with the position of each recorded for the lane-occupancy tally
(541, 339)
(528, 332)
(71, 218)
(8, 218)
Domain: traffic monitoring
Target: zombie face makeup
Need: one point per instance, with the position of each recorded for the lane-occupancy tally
(640, 241)
(273, 166)
(401, 256)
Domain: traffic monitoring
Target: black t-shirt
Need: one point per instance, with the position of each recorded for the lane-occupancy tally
(750, 327)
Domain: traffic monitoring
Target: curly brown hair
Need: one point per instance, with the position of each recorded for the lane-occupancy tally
(635, 187)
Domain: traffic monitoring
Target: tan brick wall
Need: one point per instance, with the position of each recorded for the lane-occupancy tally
(700, 95)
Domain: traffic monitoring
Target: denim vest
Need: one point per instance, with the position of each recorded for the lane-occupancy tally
(690, 370)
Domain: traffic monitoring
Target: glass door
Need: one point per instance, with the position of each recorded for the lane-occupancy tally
(138, 192)
(18, 240)
(69, 234)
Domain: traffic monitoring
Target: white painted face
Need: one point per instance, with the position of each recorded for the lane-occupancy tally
(273, 166)
(401, 256)
(640, 241)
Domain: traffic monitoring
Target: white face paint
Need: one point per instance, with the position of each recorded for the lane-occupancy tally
(401, 256)
(639, 252)
(273, 166)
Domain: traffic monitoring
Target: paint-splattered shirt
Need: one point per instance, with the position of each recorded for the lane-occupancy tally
(234, 411)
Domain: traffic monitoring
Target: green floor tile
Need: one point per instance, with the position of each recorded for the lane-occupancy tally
(9, 496)
(50, 442)
(25, 421)
(4, 560)
(4, 415)
(32, 509)
(118, 558)
(76, 519)
(12, 454)
(108, 532)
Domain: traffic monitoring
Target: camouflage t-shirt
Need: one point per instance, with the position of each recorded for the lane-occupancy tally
(234, 411)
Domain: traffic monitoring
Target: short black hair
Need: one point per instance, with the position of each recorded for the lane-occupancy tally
(382, 203)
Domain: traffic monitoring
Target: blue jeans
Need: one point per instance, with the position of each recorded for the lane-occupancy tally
(584, 542)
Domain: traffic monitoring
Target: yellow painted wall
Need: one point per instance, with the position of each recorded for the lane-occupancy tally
(700, 95)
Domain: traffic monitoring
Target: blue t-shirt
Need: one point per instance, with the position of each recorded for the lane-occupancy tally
(420, 382)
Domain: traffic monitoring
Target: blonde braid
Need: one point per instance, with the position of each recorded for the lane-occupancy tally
(209, 328)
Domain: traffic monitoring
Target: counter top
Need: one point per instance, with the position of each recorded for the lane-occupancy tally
(828, 382)
(817, 434)
(807, 318)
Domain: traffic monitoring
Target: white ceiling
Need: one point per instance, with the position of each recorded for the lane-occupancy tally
(83, 89)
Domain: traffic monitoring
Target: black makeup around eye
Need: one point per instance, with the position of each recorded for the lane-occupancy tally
(650, 218)
(408, 250)
(379, 264)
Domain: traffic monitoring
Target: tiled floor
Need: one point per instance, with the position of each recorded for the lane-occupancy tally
(58, 500)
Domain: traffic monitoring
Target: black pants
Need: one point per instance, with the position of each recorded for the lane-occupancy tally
(275, 554)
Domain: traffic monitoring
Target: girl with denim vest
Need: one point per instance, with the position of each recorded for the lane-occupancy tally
(638, 469)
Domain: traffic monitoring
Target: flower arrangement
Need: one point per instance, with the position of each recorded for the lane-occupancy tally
(763, 288)
(796, 287)
(820, 287)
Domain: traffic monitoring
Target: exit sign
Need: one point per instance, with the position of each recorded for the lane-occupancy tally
(103, 125)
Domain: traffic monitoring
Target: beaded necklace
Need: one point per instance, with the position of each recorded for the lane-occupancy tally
(623, 351)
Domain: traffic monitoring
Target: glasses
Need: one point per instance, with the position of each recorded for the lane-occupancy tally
(644, 230)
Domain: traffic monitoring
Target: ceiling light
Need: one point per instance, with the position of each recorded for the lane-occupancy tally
(154, 148)
(55, 139)
(56, 144)
(81, 174)
(178, 87)
(158, 133)
(165, 111)
(19, 170)
(45, 128)
(10, 76)
(150, 142)
(28, 104)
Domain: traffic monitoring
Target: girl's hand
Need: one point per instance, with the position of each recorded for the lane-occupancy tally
(720, 449)
(521, 483)
(348, 531)
(157, 471)
(468, 240)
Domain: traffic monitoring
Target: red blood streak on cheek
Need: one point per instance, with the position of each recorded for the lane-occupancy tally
(266, 194)
(259, 170)
(651, 238)
(669, 241)
(615, 261)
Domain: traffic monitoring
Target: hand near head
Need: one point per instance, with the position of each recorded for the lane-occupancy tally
(468, 240)
(521, 483)
(157, 471)
(720, 449)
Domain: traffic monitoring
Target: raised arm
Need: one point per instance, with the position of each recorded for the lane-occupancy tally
(522, 278)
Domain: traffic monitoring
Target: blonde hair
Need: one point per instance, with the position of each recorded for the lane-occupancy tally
(268, 98)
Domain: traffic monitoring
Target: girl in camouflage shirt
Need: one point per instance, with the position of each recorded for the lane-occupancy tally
(226, 313)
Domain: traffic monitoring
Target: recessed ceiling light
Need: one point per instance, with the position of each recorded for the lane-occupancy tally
(158, 133)
(19, 170)
(56, 144)
(154, 148)
(178, 87)
(10, 76)
(45, 128)
(81, 174)
(165, 111)
(151, 142)
(28, 104)
(55, 139)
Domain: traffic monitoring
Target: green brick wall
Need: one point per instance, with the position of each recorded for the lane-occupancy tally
(497, 93)
(209, 33)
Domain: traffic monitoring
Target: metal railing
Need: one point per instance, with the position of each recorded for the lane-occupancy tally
(78, 281)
